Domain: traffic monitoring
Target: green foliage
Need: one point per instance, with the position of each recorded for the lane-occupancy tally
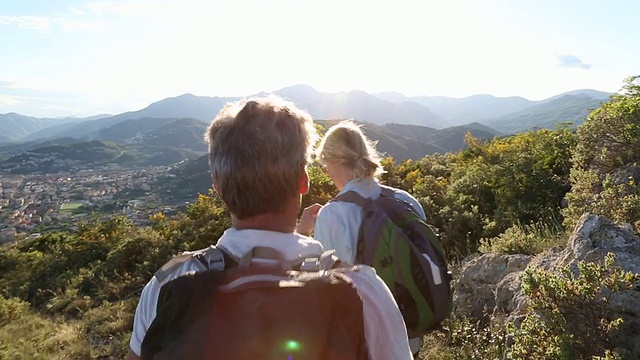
(12, 309)
(31, 336)
(110, 324)
(86, 283)
(205, 221)
(528, 239)
(610, 136)
(519, 179)
(322, 188)
(600, 195)
(463, 338)
(608, 143)
(568, 313)
(489, 187)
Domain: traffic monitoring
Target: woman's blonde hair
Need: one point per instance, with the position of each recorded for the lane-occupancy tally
(346, 144)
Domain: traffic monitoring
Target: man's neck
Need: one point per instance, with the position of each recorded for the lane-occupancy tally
(284, 222)
(271, 222)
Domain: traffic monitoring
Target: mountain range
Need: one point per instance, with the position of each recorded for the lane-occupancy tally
(405, 127)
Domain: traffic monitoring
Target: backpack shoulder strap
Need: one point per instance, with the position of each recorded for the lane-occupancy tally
(352, 197)
(387, 191)
(211, 258)
(326, 261)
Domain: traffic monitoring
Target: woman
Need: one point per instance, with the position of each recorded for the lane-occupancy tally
(353, 164)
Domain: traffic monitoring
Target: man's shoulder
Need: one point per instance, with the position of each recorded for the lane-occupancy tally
(211, 257)
(365, 275)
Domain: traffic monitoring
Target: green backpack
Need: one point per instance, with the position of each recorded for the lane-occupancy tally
(407, 254)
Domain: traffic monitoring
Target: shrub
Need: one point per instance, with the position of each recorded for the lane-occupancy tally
(11, 309)
(568, 313)
(527, 239)
(464, 338)
(30, 336)
(608, 143)
(619, 202)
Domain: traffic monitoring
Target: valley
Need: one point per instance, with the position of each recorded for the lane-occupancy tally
(35, 203)
(55, 173)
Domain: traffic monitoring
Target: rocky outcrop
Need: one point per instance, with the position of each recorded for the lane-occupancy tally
(490, 284)
(475, 290)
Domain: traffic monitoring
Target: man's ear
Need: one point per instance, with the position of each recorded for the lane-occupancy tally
(303, 183)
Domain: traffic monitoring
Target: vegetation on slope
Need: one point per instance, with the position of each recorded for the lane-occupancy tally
(73, 294)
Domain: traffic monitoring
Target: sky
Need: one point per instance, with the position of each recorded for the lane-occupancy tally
(82, 58)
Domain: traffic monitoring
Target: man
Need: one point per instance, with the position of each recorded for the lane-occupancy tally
(258, 154)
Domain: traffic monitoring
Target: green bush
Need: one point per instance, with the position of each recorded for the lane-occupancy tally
(28, 335)
(12, 309)
(529, 239)
(599, 195)
(608, 142)
(568, 313)
(464, 338)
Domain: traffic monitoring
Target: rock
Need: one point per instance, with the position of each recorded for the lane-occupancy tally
(475, 289)
(490, 285)
(626, 174)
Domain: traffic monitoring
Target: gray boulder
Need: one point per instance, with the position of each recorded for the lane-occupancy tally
(490, 285)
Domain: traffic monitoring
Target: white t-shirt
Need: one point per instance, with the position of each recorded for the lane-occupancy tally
(338, 223)
(385, 332)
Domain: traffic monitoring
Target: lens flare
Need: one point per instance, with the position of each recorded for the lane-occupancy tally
(292, 346)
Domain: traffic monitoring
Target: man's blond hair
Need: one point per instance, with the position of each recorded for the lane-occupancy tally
(258, 150)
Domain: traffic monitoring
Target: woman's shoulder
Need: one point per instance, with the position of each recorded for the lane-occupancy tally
(335, 207)
(367, 188)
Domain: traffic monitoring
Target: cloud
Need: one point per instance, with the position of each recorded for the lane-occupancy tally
(8, 100)
(129, 9)
(39, 23)
(570, 61)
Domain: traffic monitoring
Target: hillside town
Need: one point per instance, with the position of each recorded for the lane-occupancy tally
(30, 204)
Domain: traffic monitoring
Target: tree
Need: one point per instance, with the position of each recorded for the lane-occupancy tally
(610, 135)
(605, 174)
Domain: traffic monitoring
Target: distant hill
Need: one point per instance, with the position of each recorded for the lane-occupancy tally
(391, 143)
(465, 110)
(201, 108)
(510, 114)
(600, 95)
(179, 122)
(450, 139)
(54, 158)
(10, 149)
(547, 114)
(360, 106)
(185, 181)
(130, 129)
(15, 127)
(80, 154)
(178, 133)
(355, 104)
(436, 112)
